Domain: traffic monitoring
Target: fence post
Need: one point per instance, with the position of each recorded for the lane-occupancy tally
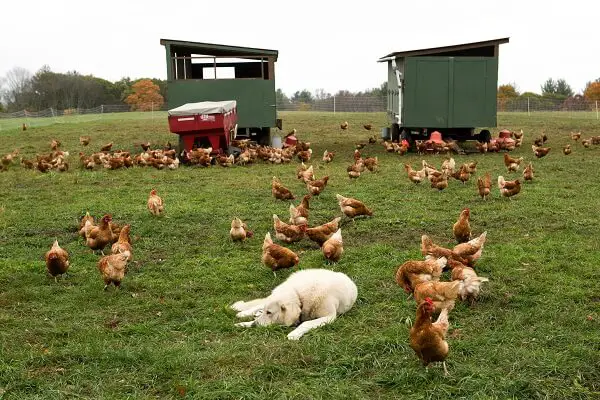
(152, 108)
(334, 104)
(101, 108)
(528, 114)
(597, 116)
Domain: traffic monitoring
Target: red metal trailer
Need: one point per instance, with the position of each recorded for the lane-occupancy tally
(205, 124)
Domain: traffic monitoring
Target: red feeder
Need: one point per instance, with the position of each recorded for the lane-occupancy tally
(290, 140)
(436, 137)
(205, 124)
(505, 139)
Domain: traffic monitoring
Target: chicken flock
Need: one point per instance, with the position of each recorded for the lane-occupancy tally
(422, 279)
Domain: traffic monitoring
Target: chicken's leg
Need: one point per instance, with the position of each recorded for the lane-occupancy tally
(445, 369)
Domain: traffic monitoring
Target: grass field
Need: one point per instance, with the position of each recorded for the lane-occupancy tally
(168, 332)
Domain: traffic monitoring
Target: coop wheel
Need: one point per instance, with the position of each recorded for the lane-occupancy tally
(484, 136)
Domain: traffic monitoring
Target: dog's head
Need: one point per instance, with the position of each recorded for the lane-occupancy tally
(280, 312)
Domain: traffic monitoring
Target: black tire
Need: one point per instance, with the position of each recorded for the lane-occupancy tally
(406, 135)
(264, 137)
(484, 136)
(395, 133)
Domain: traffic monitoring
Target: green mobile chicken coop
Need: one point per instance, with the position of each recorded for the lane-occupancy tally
(449, 89)
(198, 72)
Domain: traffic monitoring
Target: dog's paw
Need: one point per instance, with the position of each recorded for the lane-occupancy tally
(238, 305)
(245, 324)
(244, 314)
(293, 335)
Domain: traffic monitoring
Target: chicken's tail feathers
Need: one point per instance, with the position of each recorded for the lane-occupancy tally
(442, 319)
(501, 182)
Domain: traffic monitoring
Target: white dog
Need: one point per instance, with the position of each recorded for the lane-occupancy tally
(314, 297)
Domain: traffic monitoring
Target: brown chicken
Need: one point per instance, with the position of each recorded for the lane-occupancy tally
(317, 186)
(82, 222)
(471, 283)
(106, 147)
(462, 174)
(462, 228)
(360, 145)
(320, 234)
(55, 144)
(344, 125)
(439, 182)
(586, 143)
(471, 167)
(123, 244)
(302, 146)
(354, 171)
(279, 191)
(575, 136)
(368, 127)
(288, 233)
(155, 203)
(493, 146)
(145, 146)
(512, 164)
(509, 188)
(7, 160)
(84, 140)
(430, 249)
(277, 257)
(225, 161)
(427, 338)
(351, 207)
(305, 156)
(305, 174)
(299, 215)
(333, 247)
(57, 261)
(24, 127)
(468, 253)
(567, 150)
(27, 163)
(112, 268)
(443, 294)
(540, 152)
(414, 176)
(528, 172)
(413, 272)
(100, 236)
(328, 156)
(372, 163)
(484, 185)
(239, 230)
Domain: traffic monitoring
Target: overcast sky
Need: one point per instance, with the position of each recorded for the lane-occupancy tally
(321, 44)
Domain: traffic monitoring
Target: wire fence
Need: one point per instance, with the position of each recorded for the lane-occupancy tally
(575, 107)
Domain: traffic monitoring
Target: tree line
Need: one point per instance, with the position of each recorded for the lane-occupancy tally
(554, 94)
(307, 97)
(22, 90)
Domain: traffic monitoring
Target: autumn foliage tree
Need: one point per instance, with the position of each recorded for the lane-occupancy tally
(506, 93)
(145, 96)
(592, 91)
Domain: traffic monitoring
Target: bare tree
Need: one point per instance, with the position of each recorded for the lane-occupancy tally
(18, 85)
(321, 94)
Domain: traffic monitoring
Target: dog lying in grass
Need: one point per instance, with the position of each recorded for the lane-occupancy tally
(311, 297)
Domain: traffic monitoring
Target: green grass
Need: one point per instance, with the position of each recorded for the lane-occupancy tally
(168, 331)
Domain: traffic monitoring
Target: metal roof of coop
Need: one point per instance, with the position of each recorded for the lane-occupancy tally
(218, 50)
(444, 50)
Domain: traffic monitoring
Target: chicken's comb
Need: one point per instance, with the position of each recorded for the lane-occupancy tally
(428, 300)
